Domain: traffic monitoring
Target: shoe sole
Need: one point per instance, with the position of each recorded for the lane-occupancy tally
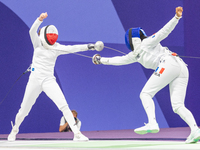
(80, 140)
(147, 131)
(194, 140)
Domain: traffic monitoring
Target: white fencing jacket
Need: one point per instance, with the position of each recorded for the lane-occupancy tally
(149, 52)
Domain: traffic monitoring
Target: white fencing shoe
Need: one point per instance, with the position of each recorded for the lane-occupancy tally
(13, 133)
(194, 137)
(80, 137)
(148, 128)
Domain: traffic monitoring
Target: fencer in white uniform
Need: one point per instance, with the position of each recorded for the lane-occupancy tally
(169, 69)
(46, 51)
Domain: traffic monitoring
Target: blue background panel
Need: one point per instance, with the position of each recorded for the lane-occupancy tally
(82, 21)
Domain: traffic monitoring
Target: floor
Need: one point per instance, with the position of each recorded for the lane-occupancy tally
(166, 139)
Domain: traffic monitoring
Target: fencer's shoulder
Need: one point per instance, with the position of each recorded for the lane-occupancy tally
(147, 40)
(56, 45)
(59, 45)
(131, 54)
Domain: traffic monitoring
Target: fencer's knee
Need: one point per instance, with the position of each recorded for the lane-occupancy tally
(65, 107)
(144, 95)
(22, 113)
(20, 116)
(176, 107)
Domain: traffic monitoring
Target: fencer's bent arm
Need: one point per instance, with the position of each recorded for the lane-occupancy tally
(33, 33)
(163, 33)
(119, 60)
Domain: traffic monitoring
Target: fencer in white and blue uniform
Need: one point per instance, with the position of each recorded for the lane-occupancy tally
(46, 51)
(169, 70)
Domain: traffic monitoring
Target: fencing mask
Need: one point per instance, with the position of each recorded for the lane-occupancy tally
(48, 36)
(134, 34)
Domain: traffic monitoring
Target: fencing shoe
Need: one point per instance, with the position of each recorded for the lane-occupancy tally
(194, 137)
(148, 128)
(13, 133)
(80, 137)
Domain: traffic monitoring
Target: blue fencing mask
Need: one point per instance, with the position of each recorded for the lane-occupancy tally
(134, 33)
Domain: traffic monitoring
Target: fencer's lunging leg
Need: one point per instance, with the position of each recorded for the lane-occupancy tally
(187, 116)
(78, 136)
(53, 91)
(70, 119)
(177, 93)
(178, 89)
(32, 91)
(149, 107)
(156, 82)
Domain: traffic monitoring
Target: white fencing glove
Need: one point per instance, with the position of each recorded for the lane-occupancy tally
(97, 46)
(96, 59)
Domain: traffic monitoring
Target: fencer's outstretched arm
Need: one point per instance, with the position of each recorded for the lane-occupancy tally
(166, 30)
(117, 60)
(79, 47)
(65, 49)
(33, 30)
